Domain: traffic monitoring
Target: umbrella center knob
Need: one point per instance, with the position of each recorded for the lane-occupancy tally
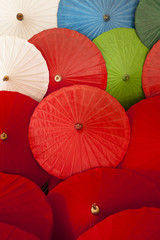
(3, 136)
(95, 209)
(78, 126)
(5, 78)
(106, 17)
(58, 78)
(19, 16)
(126, 77)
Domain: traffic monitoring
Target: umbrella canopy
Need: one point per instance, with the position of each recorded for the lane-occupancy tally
(78, 128)
(94, 17)
(147, 21)
(15, 154)
(10, 232)
(151, 72)
(25, 18)
(72, 59)
(143, 154)
(87, 198)
(24, 205)
(22, 68)
(124, 54)
(139, 224)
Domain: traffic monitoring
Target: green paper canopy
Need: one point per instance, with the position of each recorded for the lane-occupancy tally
(147, 21)
(124, 54)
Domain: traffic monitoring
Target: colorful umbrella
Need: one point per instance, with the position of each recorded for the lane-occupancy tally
(94, 17)
(78, 128)
(139, 224)
(72, 59)
(147, 21)
(15, 154)
(10, 232)
(124, 55)
(143, 155)
(22, 68)
(24, 205)
(25, 18)
(87, 198)
(151, 72)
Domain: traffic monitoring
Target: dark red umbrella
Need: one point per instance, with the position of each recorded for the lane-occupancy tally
(143, 154)
(151, 72)
(139, 224)
(10, 232)
(71, 58)
(78, 128)
(24, 205)
(87, 198)
(15, 154)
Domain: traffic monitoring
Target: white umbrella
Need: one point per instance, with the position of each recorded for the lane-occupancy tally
(22, 68)
(24, 18)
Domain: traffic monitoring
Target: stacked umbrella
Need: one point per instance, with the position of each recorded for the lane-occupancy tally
(78, 131)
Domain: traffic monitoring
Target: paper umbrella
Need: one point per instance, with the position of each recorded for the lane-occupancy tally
(26, 18)
(124, 54)
(77, 128)
(25, 206)
(87, 198)
(71, 58)
(22, 68)
(93, 17)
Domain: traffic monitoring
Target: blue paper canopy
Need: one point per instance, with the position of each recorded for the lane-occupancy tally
(93, 17)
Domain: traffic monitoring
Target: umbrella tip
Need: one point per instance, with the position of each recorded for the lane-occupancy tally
(95, 209)
(3, 136)
(106, 17)
(78, 126)
(5, 78)
(126, 77)
(58, 78)
(19, 16)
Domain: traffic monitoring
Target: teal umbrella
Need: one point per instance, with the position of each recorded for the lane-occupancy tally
(147, 21)
(124, 54)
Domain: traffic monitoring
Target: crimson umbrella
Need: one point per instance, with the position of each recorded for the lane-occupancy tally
(143, 154)
(24, 205)
(78, 128)
(15, 154)
(87, 198)
(71, 58)
(10, 232)
(139, 224)
(151, 72)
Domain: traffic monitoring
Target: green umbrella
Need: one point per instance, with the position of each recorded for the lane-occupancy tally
(147, 21)
(124, 54)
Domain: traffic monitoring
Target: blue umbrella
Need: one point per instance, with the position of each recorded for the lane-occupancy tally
(93, 17)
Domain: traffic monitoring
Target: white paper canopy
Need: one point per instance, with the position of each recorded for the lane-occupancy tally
(24, 18)
(22, 68)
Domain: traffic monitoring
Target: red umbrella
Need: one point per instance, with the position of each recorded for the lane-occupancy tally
(10, 232)
(139, 224)
(15, 154)
(71, 58)
(151, 72)
(143, 154)
(87, 198)
(24, 205)
(78, 128)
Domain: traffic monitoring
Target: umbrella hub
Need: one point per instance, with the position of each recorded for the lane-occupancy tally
(3, 136)
(5, 78)
(58, 78)
(95, 209)
(78, 126)
(126, 77)
(106, 17)
(19, 16)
